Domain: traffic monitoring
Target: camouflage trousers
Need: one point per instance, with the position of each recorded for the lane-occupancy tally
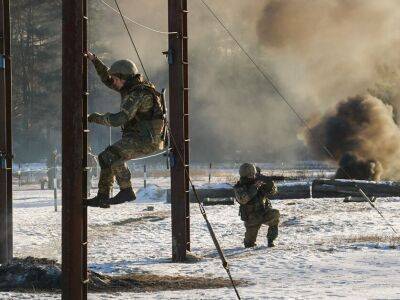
(113, 161)
(270, 217)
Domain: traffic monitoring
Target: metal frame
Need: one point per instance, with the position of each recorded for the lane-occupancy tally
(9, 155)
(6, 230)
(179, 125)
(74, 141)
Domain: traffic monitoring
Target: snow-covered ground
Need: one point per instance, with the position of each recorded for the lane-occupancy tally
(326, 248)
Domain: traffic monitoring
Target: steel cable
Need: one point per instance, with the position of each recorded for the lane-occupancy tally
(204, 214)
(137, 23)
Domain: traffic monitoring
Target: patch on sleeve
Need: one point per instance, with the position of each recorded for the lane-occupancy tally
(242, 197)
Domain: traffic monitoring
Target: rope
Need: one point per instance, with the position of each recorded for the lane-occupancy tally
(130, 36)
(268, 78)
(204, 214)
(373, 205)
(153, 155)
(137, 23)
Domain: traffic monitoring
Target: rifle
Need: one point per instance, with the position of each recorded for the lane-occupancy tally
(266, 178)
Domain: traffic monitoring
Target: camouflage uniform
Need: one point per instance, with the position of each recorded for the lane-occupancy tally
(256, 209)
(142, 127)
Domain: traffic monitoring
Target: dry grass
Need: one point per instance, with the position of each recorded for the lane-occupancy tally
(150, 216)
(152, 283)
(36, 275)
(372, 238)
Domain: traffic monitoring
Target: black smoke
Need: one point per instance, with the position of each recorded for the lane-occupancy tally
(361, 136)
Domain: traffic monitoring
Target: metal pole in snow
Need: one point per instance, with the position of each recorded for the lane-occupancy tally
(179, 126)
(74, 151)
(144, 176)
(19, 175)
(3, 146)
(55, 194)
(209, 173)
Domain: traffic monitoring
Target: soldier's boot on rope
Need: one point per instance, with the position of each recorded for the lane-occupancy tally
(124, 195)
(272, 235)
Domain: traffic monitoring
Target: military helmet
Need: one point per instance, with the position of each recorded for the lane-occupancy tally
(123, 68)
(247, 170)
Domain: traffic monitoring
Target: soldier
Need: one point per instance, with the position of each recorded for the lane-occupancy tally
(141, 118)
(52, 161)
(92, 168)
(255, 207)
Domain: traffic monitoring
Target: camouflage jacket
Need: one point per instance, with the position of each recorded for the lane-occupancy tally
(252, 194)
(139, 114)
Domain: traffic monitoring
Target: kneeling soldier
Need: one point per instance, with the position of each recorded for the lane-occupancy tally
(255, 207)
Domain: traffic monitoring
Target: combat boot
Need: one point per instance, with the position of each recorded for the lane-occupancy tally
(272, 235)
(249, 244)
(101, 200)
(124, 195)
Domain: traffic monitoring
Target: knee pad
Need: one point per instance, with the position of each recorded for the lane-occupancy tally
(107, 158)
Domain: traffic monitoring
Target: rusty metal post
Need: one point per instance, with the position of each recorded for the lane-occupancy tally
(85, 147)
(185, 63)
(74, 147)
(179, 121)
(9, 155)
(3, 144)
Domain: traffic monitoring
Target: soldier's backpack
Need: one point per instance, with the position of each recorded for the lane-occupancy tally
(159, 113)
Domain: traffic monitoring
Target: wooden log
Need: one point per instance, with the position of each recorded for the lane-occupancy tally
(357, 199)
(336, 188)
(321, 188)
(293, 190)
(218, 201)
(207, 193)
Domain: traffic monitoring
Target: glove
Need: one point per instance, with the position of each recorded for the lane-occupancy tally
(268, 189)
(253, 189)
(95, 118)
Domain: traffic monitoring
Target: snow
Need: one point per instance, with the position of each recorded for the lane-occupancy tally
(326, 248)
(152, 193)
(221, 185)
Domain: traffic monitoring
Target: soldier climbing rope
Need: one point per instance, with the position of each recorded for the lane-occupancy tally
(267, 77)
(181, 159)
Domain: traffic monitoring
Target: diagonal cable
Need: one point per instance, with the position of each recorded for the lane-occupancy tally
(203, 213)
(136, 22)
(268, 78)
